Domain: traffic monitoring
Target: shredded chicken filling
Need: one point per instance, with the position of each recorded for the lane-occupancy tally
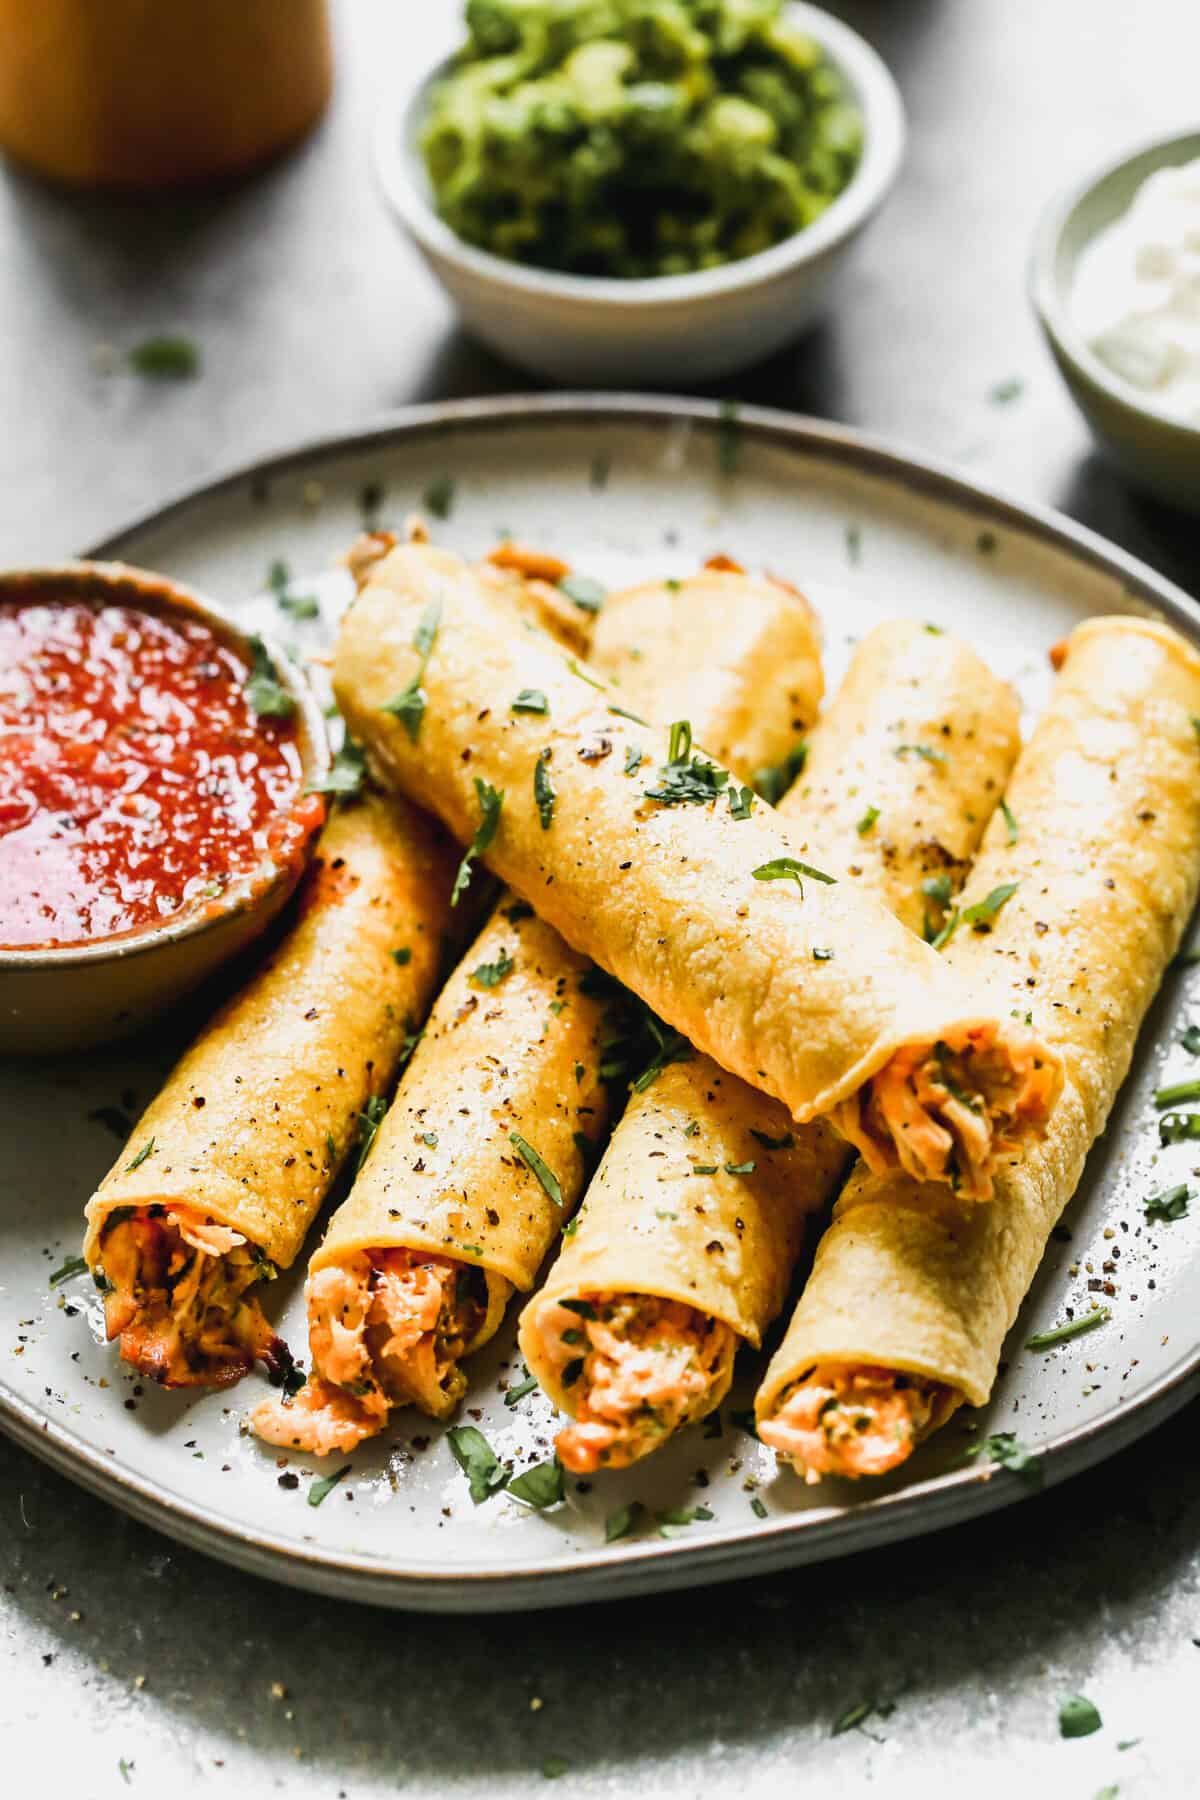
(386, 1328)
(946, 1113)
(176, 1296)
(637, 1369)
(850, 1421)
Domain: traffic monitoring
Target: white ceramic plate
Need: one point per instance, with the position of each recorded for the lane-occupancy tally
(624, 488)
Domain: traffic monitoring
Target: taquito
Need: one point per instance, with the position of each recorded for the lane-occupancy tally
(686, 1242)
(645, 858)
(482, 1158)
(229, 1164)
(911, 1295)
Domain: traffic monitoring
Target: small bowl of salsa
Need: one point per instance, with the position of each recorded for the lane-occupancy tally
(156, 812)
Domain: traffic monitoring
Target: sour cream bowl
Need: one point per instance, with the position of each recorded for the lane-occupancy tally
(142, 844)
(1155, 452)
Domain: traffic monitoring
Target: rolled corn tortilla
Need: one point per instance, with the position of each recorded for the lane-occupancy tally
(643, 857)
(686, 1242)
(911, 1296)
(482, 1158)
(902, 778)
(229, 1164)
(722, 650)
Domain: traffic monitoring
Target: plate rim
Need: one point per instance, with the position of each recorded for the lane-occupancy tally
(952, 1497)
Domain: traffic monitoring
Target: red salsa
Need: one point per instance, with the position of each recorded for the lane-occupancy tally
(136, 776)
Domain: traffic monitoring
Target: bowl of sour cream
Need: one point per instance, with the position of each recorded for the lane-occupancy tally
(1115, 281)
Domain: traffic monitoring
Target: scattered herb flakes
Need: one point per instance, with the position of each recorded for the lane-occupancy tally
(599, 471)
(146, 1150)
(269, 698)
(773, 780)
(484, 1471)
(982, 915)
(741, 801)
(318, 1489)
(554, 1766)
(530, 700)
(402, 957)
(671, 1520)
(704, 1168)
(673, 1047)
(1006, 1448)
(165, 358)
(532, 1160)
(346, 775)
(491, 801)
(515, 1394)
(429, 1139)
(1001, 393)
(1010, 821)
(125, 1768)
(868, 820)
(491, 974)
(758, 1508)
(935, 630)
(1191, 1040)
(369, 1120)
(74, 1265)
(633, 759)
(588, 595)
(742, 1168)
(729, 437)
(622, 1523)
(411, 1040)
(544, 791)
(299, 607)
(786, 868)
(1077, 1717)
(623, 712)
(539, 1487)
(1177, 1128)
(1062, 1334)
(577, 669)
(438, 497)
(409, 704)
(786, 1142)
(1170, 1205)
(937, 888)
(926, 752)
(859, 1713)
(685, 779)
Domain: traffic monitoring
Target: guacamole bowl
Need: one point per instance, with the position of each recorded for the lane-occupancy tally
(669, 328)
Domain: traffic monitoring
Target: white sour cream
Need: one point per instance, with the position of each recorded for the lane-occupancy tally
(1136, 294)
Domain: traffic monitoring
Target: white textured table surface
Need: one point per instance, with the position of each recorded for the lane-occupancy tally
(126, 1664)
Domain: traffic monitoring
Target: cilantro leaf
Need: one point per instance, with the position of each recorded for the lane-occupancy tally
(490, 975)
(1170, 1205)
(267, 696)
(318, 1489)
(539, 1487)
(530, 700)
(544, 792)
(786, 868)
(484, 1471)
(165, 358)
(624, 1521)
(74, 1265)
(491, 800)
(532, 1160)
(587, 595)
(1077, 1717)
(346, 776)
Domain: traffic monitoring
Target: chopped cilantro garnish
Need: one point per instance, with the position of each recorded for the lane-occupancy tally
(514, 1394)
(1170, 1205)
(1062, 1334)
(704, 1168)
(165, 358)
(544, 791)
(539, 1487)
(491, 800)
(1001, 392)
(146, 1150)
(530, 1157)
(867, 821)
(577, 669)
(741, 801)
(410, 703)
(623, 712)
(346, 776)
(477, 1460)
(554, 1766)
(742, 1168)
(673, 1047)
(586, 594)
(491, 974)
(633, 759)
(402, 957)
(369, 1120)
(319, 1488)
(1191, 1040)
(438, 497)
(758, 1508)
(786, 1142)
(982, 914)
(925, 751)
(1077, 1717)
(1010, 821)
(773, 780)
(1178, 1128)
(624, 1521)
(264, 691)
(686, 779)
(786, 868)
(74, 1265)
(1005, 1448)
(530, 700)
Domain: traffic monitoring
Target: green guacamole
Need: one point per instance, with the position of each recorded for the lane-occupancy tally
(636, 137)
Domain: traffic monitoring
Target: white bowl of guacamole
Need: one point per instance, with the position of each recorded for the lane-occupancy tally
(621, 191)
